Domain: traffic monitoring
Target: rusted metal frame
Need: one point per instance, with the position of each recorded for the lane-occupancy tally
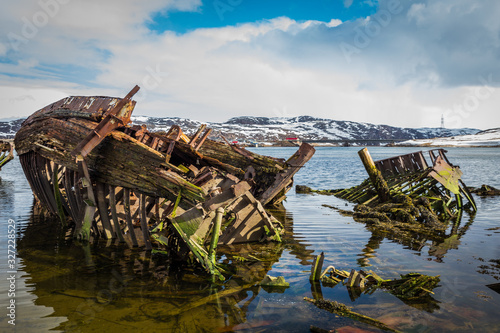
(102, 207)
(108, 124)
(203, 139)
(128, 217)
(144, 222)
(114, 215)
(192, 142)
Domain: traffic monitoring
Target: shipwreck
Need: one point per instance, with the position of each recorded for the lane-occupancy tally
(181, 194)
(408, 199)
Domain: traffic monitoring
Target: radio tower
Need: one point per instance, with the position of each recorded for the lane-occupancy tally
(442, 121)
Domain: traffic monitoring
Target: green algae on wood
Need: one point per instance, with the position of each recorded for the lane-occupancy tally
(345, 311)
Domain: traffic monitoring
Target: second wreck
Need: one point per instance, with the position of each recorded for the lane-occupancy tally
(173, 192)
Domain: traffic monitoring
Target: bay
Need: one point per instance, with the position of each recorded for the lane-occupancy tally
(62, 285)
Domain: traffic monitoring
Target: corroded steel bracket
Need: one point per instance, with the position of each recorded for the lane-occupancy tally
(116, 117)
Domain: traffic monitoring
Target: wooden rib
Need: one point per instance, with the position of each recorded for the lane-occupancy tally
(103, 211)
(126, 200)
(144, 222)
(70, 195)
(114, 216)
(46, 187)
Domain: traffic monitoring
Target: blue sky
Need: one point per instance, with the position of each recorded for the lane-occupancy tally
(397, 62)
(220, 13)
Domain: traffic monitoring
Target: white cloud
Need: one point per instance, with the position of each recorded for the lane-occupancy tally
(348, 3)
(412, 62)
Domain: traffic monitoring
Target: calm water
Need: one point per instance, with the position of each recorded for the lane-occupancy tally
(64, 286)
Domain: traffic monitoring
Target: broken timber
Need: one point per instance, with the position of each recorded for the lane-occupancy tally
(167, 191)
(6, 153)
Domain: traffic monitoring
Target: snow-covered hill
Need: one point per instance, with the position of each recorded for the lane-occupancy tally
(9, 128)
(261, 129)
(303, 127)
(488, 138)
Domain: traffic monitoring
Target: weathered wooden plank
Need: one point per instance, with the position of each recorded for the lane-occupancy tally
(282, 179)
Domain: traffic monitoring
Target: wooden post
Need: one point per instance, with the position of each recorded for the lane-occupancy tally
(376, 177)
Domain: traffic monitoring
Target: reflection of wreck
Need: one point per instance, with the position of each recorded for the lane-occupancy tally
(166, 190)
(6, 153)
(118, 288)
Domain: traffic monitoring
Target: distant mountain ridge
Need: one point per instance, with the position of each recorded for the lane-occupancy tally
(262, 129)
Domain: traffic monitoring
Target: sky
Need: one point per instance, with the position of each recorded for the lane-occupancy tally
(405, 63)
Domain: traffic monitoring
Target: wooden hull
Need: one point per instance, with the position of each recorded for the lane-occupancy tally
(168, 192)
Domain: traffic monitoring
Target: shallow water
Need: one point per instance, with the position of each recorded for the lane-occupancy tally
(61, 285)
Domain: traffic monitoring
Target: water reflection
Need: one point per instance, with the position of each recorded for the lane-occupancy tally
(120, 287)
(439, 243)
(99, 288)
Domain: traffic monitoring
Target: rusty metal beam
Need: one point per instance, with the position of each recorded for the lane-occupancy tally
(114, 118)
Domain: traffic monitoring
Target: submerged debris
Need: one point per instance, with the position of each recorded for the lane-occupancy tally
(345, 311)
(412, 286)
(485, 191)
(183, 194)
(6, 153)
